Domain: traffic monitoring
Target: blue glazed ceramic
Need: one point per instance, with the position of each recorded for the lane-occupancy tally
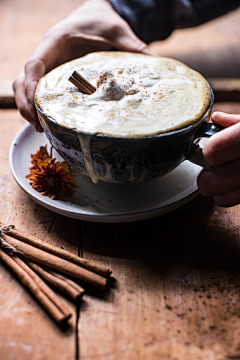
(129, 160)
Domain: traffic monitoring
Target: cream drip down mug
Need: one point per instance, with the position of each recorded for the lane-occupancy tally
(141, 123)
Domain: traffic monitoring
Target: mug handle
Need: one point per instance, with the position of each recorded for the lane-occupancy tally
(195, 154)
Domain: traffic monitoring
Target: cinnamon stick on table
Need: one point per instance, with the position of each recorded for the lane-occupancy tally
(41, 291)
(44, 287)
(61, 283)
(81, 83)
(70, 282)
(32, 240)
(57, 263)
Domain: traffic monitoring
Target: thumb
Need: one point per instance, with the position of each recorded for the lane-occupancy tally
(24, 88)
(34, 70)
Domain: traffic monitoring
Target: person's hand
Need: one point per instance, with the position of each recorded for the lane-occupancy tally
(94, 26)
(223, 151)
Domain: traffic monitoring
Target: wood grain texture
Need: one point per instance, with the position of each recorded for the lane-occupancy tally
(225, 89)
(26, 331)
(22, 26)
(7, 100)
(177, 287)
(176, 294)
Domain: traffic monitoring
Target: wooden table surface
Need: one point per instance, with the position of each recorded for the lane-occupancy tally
(177, 276)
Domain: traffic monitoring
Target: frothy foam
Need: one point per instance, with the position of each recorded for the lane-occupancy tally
(137, 95)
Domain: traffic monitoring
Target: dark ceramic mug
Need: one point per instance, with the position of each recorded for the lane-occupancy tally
(130, 160)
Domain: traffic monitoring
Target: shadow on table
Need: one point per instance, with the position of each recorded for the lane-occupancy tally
(194, 235)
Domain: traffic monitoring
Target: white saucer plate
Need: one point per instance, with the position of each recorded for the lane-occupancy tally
(105, 202)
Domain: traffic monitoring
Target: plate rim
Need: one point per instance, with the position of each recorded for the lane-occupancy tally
(115, 218)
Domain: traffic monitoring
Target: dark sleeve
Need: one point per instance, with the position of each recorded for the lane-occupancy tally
(149, 19)
(153, 20)
(207, 10)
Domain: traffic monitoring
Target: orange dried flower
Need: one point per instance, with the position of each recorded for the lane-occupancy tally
(41, 154)
(50, 177)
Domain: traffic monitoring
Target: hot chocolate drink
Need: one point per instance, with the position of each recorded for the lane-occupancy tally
(136, 95)
(139, 123)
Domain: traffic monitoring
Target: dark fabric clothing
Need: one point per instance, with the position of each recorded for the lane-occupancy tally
(153, 20)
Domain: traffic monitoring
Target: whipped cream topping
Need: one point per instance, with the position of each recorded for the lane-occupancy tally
(137, 95)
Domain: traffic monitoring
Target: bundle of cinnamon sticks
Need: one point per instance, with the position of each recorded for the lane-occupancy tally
(24, 253)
